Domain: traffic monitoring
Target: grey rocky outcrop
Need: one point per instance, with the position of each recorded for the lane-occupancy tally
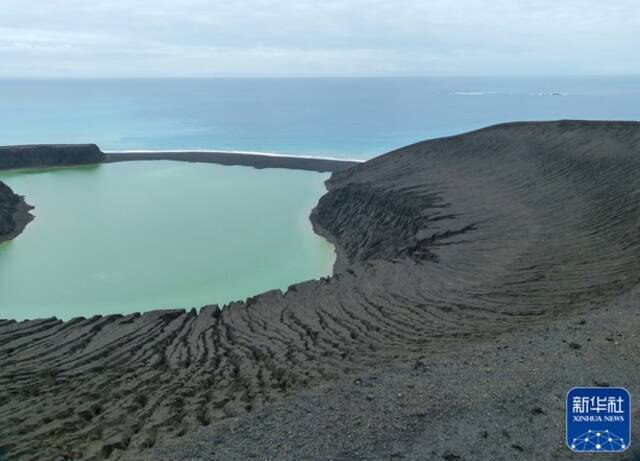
(14, 213)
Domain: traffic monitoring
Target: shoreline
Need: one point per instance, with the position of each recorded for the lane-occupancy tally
(341, 262)
(69, 155)
(235, 152)
(236, 158)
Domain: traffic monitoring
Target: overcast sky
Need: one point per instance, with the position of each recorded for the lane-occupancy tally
(41, 38)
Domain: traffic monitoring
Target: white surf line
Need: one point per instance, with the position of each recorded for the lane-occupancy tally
(236, 152)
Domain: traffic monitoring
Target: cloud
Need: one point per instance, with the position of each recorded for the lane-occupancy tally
(304, 37)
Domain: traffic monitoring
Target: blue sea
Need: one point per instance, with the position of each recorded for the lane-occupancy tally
(341, 117)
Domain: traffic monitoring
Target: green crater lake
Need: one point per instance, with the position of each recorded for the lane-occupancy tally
(136, 236)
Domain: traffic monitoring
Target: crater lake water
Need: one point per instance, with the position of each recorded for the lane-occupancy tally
(137, 236)
(128, 237)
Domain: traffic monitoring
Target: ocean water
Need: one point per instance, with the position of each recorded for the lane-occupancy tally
(136, 236)
(357, 118)
(129, 237)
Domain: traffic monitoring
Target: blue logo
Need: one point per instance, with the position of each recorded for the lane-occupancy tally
(598, 419)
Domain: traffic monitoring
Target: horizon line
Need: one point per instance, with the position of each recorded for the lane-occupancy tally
(312, 77)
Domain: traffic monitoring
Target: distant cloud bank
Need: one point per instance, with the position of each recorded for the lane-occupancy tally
(197, 38)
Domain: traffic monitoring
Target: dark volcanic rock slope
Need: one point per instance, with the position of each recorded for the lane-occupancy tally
(8, 204)
(441, 243)
(14, 213)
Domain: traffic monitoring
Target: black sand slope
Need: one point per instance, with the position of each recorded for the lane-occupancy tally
(490, 271)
